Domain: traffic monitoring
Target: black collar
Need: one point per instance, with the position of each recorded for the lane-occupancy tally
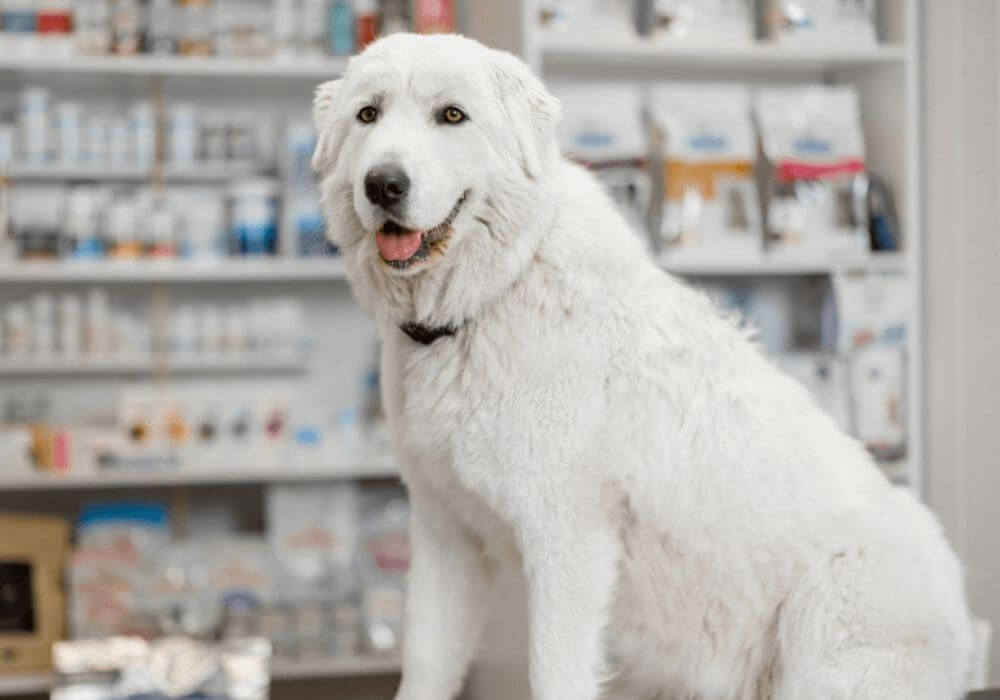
(425, 335)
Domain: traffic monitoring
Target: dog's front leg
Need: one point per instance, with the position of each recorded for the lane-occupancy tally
(570, 559)
(446, 604)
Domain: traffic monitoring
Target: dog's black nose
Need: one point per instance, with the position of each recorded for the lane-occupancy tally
(386, 185)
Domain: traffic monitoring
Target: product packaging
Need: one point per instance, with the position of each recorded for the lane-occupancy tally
(254, 217)
(821, 23)
(35, 122)
(815, 169)
(33, 552)
(313, 532)
(118, 546)
(434, 16)
(710, 200)
(878, 398)
(871, 308)
(706, 22)
(587, 22)
(611, 143)
(383, 559)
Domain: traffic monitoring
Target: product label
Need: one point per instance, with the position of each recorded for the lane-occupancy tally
(683, 176)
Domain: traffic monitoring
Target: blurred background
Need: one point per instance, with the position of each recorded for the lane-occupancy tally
(191, 437)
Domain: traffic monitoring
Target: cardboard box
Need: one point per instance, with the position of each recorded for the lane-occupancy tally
(33, 552)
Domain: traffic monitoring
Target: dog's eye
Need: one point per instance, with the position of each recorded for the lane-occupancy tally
(367, 115)
(453, 115)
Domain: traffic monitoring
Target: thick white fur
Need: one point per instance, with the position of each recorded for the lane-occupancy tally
(690, 524)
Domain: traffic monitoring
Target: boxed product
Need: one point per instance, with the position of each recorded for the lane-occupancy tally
(313, 531)
(812, 23)
(709, 22)
(710, 201)
(814, 150)
(383, 559)
(610, 142)
(32, 609)
(588, 22)
(871, 308)
(219, 584)
(118, 546)
(878, 398)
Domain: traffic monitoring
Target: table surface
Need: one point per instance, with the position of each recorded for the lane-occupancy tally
(986, 695)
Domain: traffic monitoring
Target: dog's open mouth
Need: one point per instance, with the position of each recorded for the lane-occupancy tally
(401, 247)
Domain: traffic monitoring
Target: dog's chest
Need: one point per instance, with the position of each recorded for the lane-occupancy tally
(433, 395)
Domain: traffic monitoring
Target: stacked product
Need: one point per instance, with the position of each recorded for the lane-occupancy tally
(710, 23)
(818, 198)
(710, 203)
(326, 579)
(283, 28)
(70, 327)
(73, 133)
(88, 222)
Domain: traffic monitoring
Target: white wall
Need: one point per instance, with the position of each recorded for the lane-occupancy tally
(962, 264)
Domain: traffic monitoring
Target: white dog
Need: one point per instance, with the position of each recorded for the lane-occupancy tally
(690, 524)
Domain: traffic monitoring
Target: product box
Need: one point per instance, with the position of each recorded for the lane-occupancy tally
(711, 207)
(610, 143)
(33, 551)
(815, 170)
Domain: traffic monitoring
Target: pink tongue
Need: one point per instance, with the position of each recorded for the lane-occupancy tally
(398, 246)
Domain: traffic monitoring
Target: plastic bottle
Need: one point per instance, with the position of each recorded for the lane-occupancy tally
(254, 227)
(366, 22)
(70, 325)
(341, 27)
(69, 130)
(34, 122)
(81, 223)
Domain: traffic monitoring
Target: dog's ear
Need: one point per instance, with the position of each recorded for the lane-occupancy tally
(532, 112)
(329, 133)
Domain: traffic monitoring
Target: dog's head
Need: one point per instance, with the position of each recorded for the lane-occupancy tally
(433, 153)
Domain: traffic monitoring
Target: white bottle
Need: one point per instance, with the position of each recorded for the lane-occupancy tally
(70, 325)
(43, 332)
(17, 330)
(69, 128)
(97, 327)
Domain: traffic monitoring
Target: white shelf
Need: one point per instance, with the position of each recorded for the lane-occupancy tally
(130, 364)
(34, 683)
(185, 476)
(766, 266)
(633, 53)
(345, 667)
(228, 270)
(41, 683)
(319, 269)
(57, 172)
(176, 66)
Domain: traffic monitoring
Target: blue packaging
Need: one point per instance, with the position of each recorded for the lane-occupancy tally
(341, 27)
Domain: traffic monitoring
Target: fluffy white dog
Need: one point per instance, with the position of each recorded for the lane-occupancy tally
(690, 524)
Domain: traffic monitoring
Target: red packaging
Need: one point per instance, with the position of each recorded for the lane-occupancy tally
(433, 16)
(54, 21)
(367, 28)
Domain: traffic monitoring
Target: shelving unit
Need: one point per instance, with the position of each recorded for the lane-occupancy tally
(185, 476)
(175, 66)
(281, 670)
(204, 172)
(332, 269)
(132, 365)
(887, 79)
(560, 52)
(272, 269)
